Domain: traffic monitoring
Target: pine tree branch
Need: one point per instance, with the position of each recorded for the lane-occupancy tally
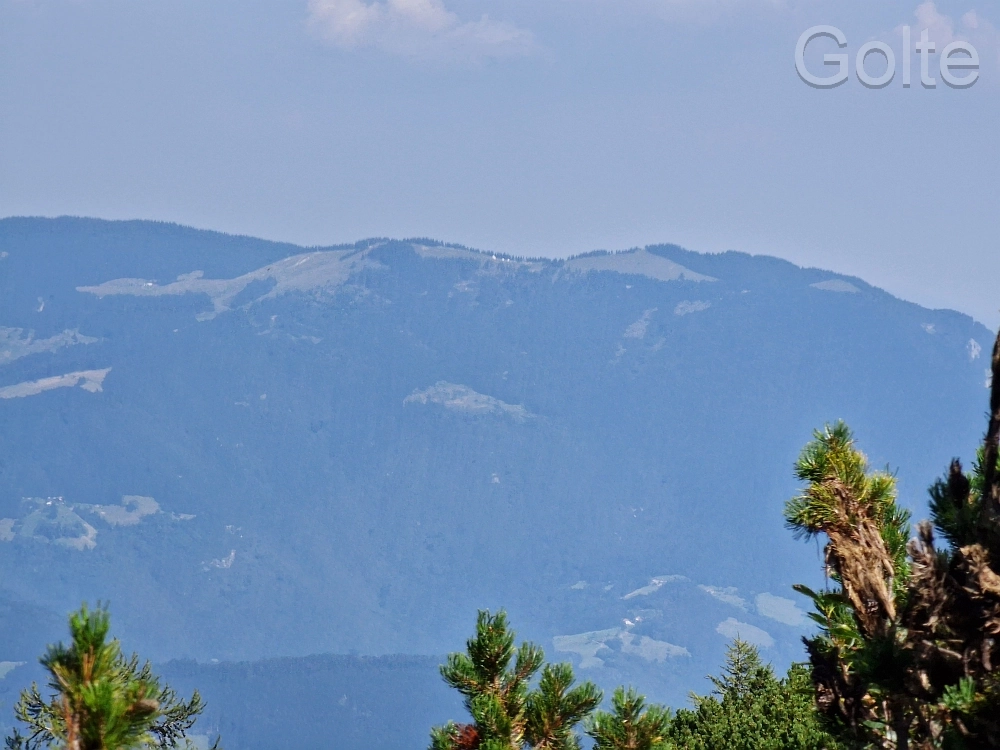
(990, 509)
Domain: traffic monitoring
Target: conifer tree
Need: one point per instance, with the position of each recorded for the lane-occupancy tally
(556, 707)
(101, 699)
(506, 713)
(743, 673)
(751, 709)
(631, 724)
(907, 651)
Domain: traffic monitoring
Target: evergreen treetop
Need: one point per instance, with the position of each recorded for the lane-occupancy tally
(907, 651)
(751, 709)
(507, 714)
(631, 724)
(100, 699)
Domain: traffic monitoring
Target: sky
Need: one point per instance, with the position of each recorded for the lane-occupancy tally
(532, 127)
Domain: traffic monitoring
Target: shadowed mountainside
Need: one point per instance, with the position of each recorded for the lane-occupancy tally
(258, 450)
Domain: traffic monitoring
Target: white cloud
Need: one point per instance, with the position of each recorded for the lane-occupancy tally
(719, 4)
(650, 649)
(588, 645)
(654, 585)
(733, 628)
(728, 594)
(6, 667)
(705, 11)
(779, 608)
(943, 30)
(416, 28)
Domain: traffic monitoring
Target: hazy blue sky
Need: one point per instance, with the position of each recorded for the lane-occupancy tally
(544, 127)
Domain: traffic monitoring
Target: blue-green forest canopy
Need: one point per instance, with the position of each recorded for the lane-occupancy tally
(297, 451)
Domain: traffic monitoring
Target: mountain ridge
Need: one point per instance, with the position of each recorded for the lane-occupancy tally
(356, 455)
(230, 238)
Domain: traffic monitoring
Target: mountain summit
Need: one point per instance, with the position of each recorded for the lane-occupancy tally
(256, 450)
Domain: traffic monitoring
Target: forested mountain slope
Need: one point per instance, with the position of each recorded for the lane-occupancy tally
(260, 450)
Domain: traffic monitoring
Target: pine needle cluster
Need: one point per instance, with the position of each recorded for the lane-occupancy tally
(494, 678)
(631, 724)
(907, 651)
(100, 699)
(750, 710)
